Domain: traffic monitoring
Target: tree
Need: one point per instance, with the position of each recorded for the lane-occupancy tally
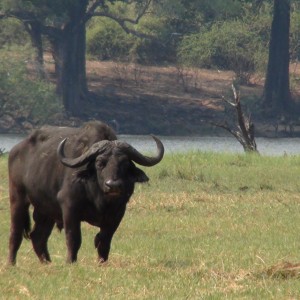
(63, 23)
(243, 129)
(277, 96)
(189, 16)
(34, 30)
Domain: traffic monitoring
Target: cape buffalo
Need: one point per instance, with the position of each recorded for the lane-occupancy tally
(71, 175)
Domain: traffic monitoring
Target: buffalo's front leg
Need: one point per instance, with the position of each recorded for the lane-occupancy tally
(103, 239)
(73, 233)
(102, 243)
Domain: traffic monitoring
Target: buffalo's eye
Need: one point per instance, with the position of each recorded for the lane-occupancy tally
(100, 164)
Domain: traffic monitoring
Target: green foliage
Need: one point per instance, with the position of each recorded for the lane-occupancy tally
(12, 32)
(181, 16)
(157, 50)
(106, 40)
(295, 35)
(53, 13)
(189, 16)
(231, 45)
(216, 10)
(21, 95)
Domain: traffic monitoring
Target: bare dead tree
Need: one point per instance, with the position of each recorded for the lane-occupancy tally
(244, 127)
(2, 151)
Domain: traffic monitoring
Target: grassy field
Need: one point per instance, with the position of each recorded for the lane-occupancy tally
(207, 226)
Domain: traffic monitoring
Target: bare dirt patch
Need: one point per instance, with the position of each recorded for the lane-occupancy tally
(160, 100)
(172, 100)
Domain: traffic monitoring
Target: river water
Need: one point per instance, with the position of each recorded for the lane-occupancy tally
(266, 146)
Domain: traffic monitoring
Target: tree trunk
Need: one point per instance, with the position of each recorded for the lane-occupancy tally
(71, 75)
(69, 56)
(68, 51)
(35, 33)
(277, 95)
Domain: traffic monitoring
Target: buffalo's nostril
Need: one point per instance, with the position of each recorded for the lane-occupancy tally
(113, 187)
(113, 183)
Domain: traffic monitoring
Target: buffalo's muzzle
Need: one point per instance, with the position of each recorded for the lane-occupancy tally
(113, 187)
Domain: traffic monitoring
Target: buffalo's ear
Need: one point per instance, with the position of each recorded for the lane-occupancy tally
(139, 175)
(86, 173)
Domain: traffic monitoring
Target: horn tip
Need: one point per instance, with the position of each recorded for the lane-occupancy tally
(160, 145)
(61, 146)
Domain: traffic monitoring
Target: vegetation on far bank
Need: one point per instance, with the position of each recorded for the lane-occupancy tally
(182, 35)
(206, 226)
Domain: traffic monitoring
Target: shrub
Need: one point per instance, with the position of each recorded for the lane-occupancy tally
(22, 96)
(12, 32)
(229, 45)
(157, 50)
(106, 40)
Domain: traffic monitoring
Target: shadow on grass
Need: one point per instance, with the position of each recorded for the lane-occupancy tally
(282, 270)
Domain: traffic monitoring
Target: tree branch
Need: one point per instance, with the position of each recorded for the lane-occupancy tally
(245, 128)
(229, 102)
(91, 10)
(121, 21)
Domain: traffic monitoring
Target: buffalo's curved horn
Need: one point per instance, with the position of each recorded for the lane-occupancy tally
(90, 154)
(141, 159)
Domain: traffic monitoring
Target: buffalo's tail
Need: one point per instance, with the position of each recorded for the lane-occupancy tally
(27, 225)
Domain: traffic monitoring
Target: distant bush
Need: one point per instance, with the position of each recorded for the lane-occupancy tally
(231, 45)
(12, 32)
(22, 96)
(106, 40)
(158, 50)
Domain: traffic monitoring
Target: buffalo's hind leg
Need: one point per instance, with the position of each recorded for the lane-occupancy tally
(20, 222)
(39, 236)
(72, 232)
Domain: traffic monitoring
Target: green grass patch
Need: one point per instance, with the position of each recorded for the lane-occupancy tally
(207, 226)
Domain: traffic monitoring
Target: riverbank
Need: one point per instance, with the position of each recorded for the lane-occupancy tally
(187, 144)
(174, 101)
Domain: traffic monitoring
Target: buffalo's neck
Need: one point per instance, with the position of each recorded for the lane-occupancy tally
(103, 213)
(99, 208)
